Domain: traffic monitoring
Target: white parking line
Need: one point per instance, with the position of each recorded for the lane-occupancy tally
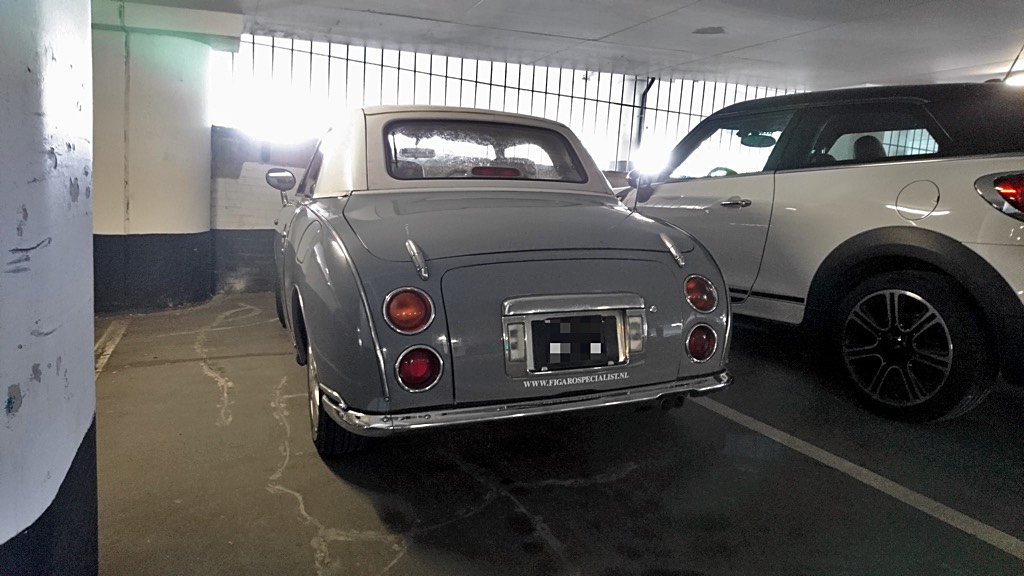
(106, 344)
(958, 520)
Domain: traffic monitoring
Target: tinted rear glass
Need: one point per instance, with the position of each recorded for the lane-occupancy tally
(446, 149)
(987, 121)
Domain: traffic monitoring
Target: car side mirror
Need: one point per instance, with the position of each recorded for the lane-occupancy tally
(643, 184)
(281, 180)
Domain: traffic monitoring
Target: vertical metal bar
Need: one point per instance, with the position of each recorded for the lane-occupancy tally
(330, 66)
(679, 107)
(476, 81)
(572, 96)
(714, 97)
(544, 106)
(558, 93)
(618, 135)
(607, 114)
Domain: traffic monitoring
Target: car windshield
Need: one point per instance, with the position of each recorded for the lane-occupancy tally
(439, 149)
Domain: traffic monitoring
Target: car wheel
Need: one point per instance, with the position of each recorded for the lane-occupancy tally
(913, 348)
(280, 306)
(329, 438)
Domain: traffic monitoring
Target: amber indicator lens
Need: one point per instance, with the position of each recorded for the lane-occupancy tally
(419, 368)
(409, 311)
(701, 343)
(1011, 188)
(700, 293)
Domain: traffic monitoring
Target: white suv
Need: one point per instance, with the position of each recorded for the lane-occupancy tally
(890, 218)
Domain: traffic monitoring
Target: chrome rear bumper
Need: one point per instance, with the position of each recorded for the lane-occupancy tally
(385, 424)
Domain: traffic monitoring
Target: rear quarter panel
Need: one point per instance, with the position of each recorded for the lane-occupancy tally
(817, 210)
(325, 290)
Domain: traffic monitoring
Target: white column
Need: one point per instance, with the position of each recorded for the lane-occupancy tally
(47, 391)
(153, 133)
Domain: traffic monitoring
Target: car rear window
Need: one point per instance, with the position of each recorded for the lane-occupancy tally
(987, 121)
(447, 149)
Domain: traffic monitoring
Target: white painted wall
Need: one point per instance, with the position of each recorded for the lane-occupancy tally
(168, 136)
(248, 202)
(151, 68)
(156, 108)
(47, 390)
(108, 132)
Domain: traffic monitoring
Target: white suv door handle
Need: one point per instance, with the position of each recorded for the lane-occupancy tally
(736, 201)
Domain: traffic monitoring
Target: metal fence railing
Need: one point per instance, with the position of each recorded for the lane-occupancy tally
(282, 88)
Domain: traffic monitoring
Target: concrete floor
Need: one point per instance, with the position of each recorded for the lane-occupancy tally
(206, 467)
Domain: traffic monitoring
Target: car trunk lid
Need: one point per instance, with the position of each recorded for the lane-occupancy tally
(453, 224)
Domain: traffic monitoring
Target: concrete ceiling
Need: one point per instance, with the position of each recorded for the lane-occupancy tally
(806, 44)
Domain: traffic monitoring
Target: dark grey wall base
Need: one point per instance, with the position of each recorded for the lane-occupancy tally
(64, 540)
(151, 271)
(243, 260)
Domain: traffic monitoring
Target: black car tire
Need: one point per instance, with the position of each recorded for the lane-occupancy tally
(913, 347)
(329, 438)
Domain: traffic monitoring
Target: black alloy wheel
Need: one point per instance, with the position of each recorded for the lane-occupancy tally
(914, 348)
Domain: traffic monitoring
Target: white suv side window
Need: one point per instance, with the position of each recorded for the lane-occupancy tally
(870, 133)
(734, 146)
(894, 143)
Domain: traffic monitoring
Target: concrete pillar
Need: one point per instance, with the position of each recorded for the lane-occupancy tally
(152, 183)
(47, 391)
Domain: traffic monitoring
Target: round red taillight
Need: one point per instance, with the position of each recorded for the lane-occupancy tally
(408, 310)
(418, 368)
(700, 293)
(701, 343)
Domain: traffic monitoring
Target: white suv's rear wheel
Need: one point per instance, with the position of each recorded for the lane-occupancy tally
(913, 347)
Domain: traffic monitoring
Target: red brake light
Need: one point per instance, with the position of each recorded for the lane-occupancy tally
(700, 293)
(701, 343)
(1011, 188)
(408, 310)
(418, 368)
(496, 172)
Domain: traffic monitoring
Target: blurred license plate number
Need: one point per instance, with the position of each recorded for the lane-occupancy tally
(574, 342)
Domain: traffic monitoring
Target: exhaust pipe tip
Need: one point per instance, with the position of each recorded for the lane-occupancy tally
(672, 401)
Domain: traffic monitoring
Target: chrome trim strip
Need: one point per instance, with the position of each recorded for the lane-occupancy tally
(399, 361)
(384, 424)
(674, 250)
(417, 258)
(526, 305)
(387, 300)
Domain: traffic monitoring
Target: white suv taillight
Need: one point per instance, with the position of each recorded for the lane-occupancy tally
(1005, 192)
(1011, 188)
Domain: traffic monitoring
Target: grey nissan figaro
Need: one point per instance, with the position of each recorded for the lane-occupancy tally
(441, 266)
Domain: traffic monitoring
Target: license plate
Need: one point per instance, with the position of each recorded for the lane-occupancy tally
(574, 342)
